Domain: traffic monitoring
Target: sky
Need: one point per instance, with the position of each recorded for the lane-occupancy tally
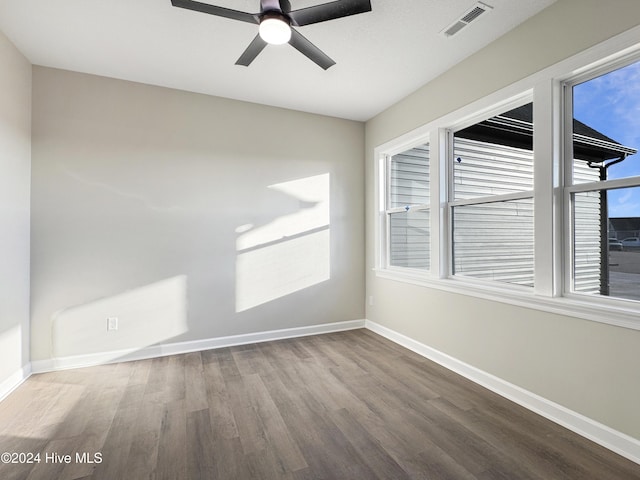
(611, 104)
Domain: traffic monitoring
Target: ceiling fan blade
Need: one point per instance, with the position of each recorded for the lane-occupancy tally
(285, 6)
(252, 51)
(307, 48)
(270, 5)
(218, 11)
(328, 11)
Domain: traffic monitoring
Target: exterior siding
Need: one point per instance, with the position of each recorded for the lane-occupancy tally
(587, 240)
(493, 241)
(409, 186)
(409, 177)
(482, 169)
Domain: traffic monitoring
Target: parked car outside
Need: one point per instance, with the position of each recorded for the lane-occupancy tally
(631, 243)
(615, 245)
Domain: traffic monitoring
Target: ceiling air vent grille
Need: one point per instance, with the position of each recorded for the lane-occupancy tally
(473, 14)
(469, 16)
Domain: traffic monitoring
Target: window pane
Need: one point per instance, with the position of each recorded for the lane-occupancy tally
(494, 157)
(409, 177)
(587, 240)
(606, 130)
(494, 241)
(409, 242)
(606, 236)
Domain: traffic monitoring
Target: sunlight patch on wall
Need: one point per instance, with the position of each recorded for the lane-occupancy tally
(290, 253)
(146, 316)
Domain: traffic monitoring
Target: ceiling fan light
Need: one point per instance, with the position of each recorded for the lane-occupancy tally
(274, 30)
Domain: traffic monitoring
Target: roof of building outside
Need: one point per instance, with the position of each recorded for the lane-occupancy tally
(515, 128)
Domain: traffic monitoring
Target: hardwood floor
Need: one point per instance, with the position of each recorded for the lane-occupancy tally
(348, 405)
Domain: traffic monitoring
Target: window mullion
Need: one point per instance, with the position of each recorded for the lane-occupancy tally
(547, 244)
(605, 185)
(437, 258)
(446, 196)
(566, 228)
(493, 199)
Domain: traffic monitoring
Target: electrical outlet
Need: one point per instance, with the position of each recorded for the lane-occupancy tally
(112, 323)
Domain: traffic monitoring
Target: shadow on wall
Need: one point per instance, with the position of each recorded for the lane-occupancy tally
(275, 256)
(290, 253)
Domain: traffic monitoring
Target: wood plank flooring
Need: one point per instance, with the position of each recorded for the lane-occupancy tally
(349, 405)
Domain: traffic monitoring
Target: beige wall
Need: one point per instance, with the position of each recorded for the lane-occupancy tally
(186, 216)
(590, 368)
(15, 158)
(149, 204)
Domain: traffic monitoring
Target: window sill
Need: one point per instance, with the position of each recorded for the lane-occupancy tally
(616, 313)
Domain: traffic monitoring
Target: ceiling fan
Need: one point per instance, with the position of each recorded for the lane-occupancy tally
(276, 20)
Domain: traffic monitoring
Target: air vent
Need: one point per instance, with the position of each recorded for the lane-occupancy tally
(467, 17)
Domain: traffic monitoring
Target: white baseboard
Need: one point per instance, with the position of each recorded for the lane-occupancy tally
(63, 363)
(609, 438)
(14, 381)
(614, 440)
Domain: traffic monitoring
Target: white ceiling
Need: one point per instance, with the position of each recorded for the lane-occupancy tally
(381, 56)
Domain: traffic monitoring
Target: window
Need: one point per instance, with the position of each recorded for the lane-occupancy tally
(407, 208)
(492, 198)
(529, 196)
(603, 178)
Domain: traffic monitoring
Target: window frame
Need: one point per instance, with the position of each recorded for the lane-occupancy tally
(551, 205)
(570, 189)
(497, 109)
(384, 211)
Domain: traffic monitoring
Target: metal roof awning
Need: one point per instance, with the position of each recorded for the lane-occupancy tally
(515, 129)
